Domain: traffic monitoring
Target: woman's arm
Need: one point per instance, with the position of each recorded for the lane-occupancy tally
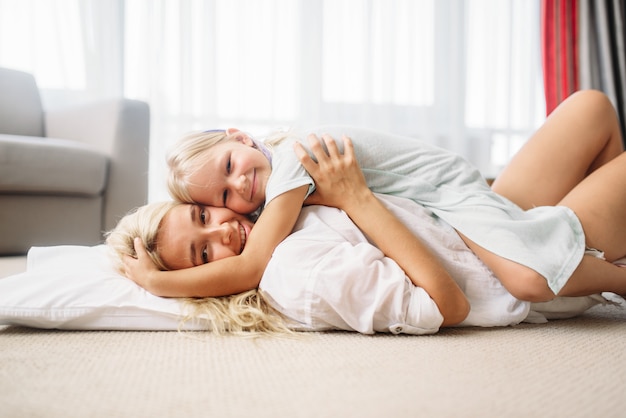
(340, 183)
(229, 275)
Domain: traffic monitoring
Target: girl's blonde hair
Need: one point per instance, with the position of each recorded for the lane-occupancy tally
(189, 152)
(242, 313)
(186, 156)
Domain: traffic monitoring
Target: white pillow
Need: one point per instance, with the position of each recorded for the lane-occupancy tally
(76, 287)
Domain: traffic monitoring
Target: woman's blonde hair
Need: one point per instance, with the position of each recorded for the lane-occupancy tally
(190, 151)
(242, 313)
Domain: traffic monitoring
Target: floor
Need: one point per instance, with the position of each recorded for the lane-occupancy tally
(12, 265)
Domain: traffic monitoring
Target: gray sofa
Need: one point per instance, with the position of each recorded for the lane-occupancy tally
(67, 175)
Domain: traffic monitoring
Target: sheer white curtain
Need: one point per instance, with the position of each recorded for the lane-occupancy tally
(72, 47)
(462, 74)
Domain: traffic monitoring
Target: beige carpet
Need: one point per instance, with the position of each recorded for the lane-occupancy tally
(569, 368)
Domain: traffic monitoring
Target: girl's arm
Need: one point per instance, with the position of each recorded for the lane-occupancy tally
(229, 275)
(340, 183)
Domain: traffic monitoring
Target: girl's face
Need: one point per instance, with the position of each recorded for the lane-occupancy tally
(234, 175)
(191, 235)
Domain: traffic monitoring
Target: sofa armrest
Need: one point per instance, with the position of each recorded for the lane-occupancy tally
(121, 129)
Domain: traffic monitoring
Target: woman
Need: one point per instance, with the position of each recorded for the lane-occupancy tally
(450, 301)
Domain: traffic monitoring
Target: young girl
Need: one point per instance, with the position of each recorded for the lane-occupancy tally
(523, 248)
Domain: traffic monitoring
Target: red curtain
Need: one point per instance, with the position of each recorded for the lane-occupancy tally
(559, 31)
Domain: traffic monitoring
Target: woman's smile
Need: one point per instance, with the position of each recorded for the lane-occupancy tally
(242, 236)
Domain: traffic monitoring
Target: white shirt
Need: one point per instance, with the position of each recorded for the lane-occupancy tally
(327, 275)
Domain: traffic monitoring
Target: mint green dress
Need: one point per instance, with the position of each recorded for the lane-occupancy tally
(549, 240)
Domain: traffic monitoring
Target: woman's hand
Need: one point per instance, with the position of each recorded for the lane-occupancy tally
(338, 178)
(140, 269)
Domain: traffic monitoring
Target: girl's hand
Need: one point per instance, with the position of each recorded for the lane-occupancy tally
(338, 178)
(340, 183)
(140, 269)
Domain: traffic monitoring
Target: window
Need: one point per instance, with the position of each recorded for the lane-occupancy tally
(462, 74)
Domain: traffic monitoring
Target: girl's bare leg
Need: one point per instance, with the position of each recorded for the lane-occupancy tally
(578, 138)
(581, 135)
(522, 282)
(599, 201)
(595, 275)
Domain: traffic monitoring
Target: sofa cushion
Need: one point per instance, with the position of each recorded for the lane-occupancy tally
(33, 165)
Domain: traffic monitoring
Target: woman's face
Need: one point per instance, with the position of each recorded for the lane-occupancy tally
(191, 235)
(233, 175)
